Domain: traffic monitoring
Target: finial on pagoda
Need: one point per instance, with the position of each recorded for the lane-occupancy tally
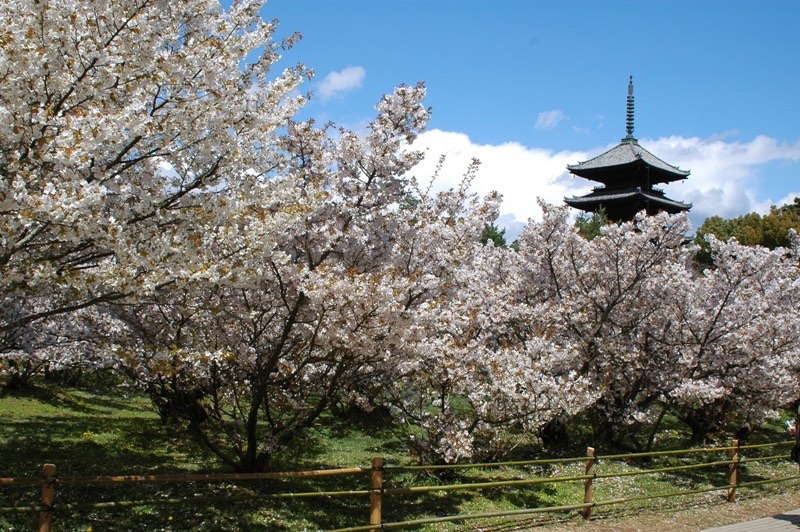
(629, 117)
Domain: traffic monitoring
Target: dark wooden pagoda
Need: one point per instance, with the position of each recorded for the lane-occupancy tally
(628, 173)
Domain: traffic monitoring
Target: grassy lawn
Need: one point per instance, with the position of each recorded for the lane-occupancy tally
(116, 432)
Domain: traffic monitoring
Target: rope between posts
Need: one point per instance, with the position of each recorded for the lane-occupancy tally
(175, 501)
(665, 469)
(482, 485)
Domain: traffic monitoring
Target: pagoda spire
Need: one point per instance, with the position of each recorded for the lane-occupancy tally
(629, 114)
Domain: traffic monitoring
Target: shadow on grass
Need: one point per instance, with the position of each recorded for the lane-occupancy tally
(85, 447)
(112, 402)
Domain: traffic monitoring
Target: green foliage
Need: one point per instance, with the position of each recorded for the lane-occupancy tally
(409, 203)
(751, 229)
(493, 233)
(589, 225)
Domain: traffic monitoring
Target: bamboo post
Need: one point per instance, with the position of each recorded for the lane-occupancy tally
(587, 484)
(377, 491)
(733, 475)
(48, 497)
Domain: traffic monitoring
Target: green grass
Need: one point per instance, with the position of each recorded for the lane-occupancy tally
(116, 432)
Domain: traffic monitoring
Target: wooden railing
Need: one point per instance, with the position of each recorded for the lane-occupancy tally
(376, 488)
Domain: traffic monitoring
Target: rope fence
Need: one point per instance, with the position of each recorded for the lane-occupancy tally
(376, 476)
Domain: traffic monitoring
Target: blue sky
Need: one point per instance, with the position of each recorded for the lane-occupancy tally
(531, 86)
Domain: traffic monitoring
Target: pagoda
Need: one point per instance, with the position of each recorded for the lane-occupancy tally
(628, 173)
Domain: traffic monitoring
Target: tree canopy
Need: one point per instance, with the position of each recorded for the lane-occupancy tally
(771, 230)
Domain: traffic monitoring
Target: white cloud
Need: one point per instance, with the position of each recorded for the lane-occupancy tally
(549, 119)
(724, 179)
(336, 84)
(520, 174)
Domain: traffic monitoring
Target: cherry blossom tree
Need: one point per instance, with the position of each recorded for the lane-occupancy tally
(478, 371)
(656, 335)
(251, 359)
(733, 341)
(608, 292)
(129, 132)
(62, 350)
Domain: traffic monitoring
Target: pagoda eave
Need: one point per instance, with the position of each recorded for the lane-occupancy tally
(628, 157)
(623, 174)
(623, 204)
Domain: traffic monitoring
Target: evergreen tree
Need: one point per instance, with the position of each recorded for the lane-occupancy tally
(495, 234)
(589, 225)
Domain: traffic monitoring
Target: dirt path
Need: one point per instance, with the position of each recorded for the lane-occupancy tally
(687, 519)
(674, 517)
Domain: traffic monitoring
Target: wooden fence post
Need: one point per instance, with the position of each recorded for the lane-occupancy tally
(587, 484)
(733, 475)
(48, 497)
(377, 491)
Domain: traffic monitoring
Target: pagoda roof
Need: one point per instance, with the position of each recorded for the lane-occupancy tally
(627, 155)
(634, 195)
